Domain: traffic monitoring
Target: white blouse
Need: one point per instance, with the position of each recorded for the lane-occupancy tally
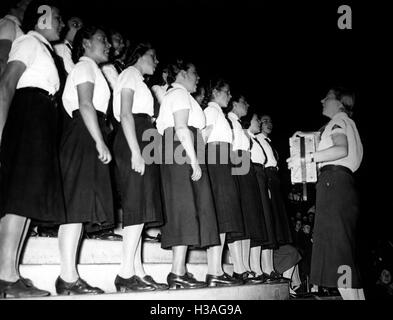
(40, 70)
(110, 74)
(257, 151)
(160, 91)
(12, 33)
(221, 130)
(341, 123)
(63, 50)
(240, 138)
(132, 79)
(271, 159)
(175, 99)
(86, 70)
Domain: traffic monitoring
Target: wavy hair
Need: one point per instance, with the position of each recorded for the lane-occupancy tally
(86, 32)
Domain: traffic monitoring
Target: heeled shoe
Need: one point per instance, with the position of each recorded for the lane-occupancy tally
(225, 280)
(22, 288)
(148, 280)
(80, 286)
(132, 284)
(187, 281)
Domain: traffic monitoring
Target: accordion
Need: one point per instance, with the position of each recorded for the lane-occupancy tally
(302, 144)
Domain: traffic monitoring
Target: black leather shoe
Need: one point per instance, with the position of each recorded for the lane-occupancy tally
(20, 289)
(108, 235)
(150, 238)
(148, 280)
(132, 284)
(240, 276)
(80, 286)
(224, 280)
(187, 281)
(257, 279)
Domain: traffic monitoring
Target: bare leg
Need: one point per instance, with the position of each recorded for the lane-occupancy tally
(11, 236)
(267, 261)
(138, 264)
(69, 238)
(131, 239)
(235, 250)
(246, 253)
(179, 260)
(255, 260)
(214, 258)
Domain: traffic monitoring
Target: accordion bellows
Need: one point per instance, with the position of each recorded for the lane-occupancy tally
(302, 144)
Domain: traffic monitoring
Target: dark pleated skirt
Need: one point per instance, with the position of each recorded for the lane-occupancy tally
(30, 179)
(251, 204)
(225, 188)
(87, 183)
(282, 225)
(337, 211)
(189, 207)
(140, 195)
(271, 242)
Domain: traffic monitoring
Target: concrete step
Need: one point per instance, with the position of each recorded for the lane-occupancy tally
(40, 251)
(103, 276)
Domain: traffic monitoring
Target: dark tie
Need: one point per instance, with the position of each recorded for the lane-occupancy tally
(259, 144)
(59, 63)
(68, 46)
(274, 150)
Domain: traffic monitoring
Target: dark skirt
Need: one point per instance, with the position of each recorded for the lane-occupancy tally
(337, 211)
(271, 242)
(251, 204)
(140, 195)
(30, 175)
(282, 225)
(285, 257)
(87, 183)
(189, 207)
(225, 188)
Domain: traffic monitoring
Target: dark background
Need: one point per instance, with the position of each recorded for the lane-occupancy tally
(285, 57)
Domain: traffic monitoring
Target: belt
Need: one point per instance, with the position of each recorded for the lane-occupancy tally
(142, 116)
(332, 167)
(272, 168)
(258, 165)
(100, 115)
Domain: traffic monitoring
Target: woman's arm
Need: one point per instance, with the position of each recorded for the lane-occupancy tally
(128, 125)
(338, 151)
(89, 116)
(8, 81)
(184, 135)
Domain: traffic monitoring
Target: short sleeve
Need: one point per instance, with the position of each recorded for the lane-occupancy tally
(338, 127)
(211, 115)
(7, 30)
(83, 72)
(179, 100)
(128, 80)
(24, 49)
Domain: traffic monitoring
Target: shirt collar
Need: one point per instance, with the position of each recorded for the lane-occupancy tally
(264, 136)
(340, 115)
(40, 37)
(178, 85)
(233, 116)
(14, 19)
(214, 105)
(67, 43)
(84, 58)
(250, 133)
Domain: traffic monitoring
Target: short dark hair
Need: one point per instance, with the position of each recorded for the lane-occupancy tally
(346, 97)
(86, 32)
(32, 15)
(175, 67)
(138, 51)
(236, 96)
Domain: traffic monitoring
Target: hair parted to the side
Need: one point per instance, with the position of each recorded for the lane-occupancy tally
(85, 33)
(217, 84)
(138, 51)
(175, 67)
(346, 97)
(32, 14)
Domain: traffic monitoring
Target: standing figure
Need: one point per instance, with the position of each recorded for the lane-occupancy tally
(254, 234)
(84, 154)
(137, 176)
(339, 155)
(218, 136)
(30, 178)
(281, 223)
(189, 208)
